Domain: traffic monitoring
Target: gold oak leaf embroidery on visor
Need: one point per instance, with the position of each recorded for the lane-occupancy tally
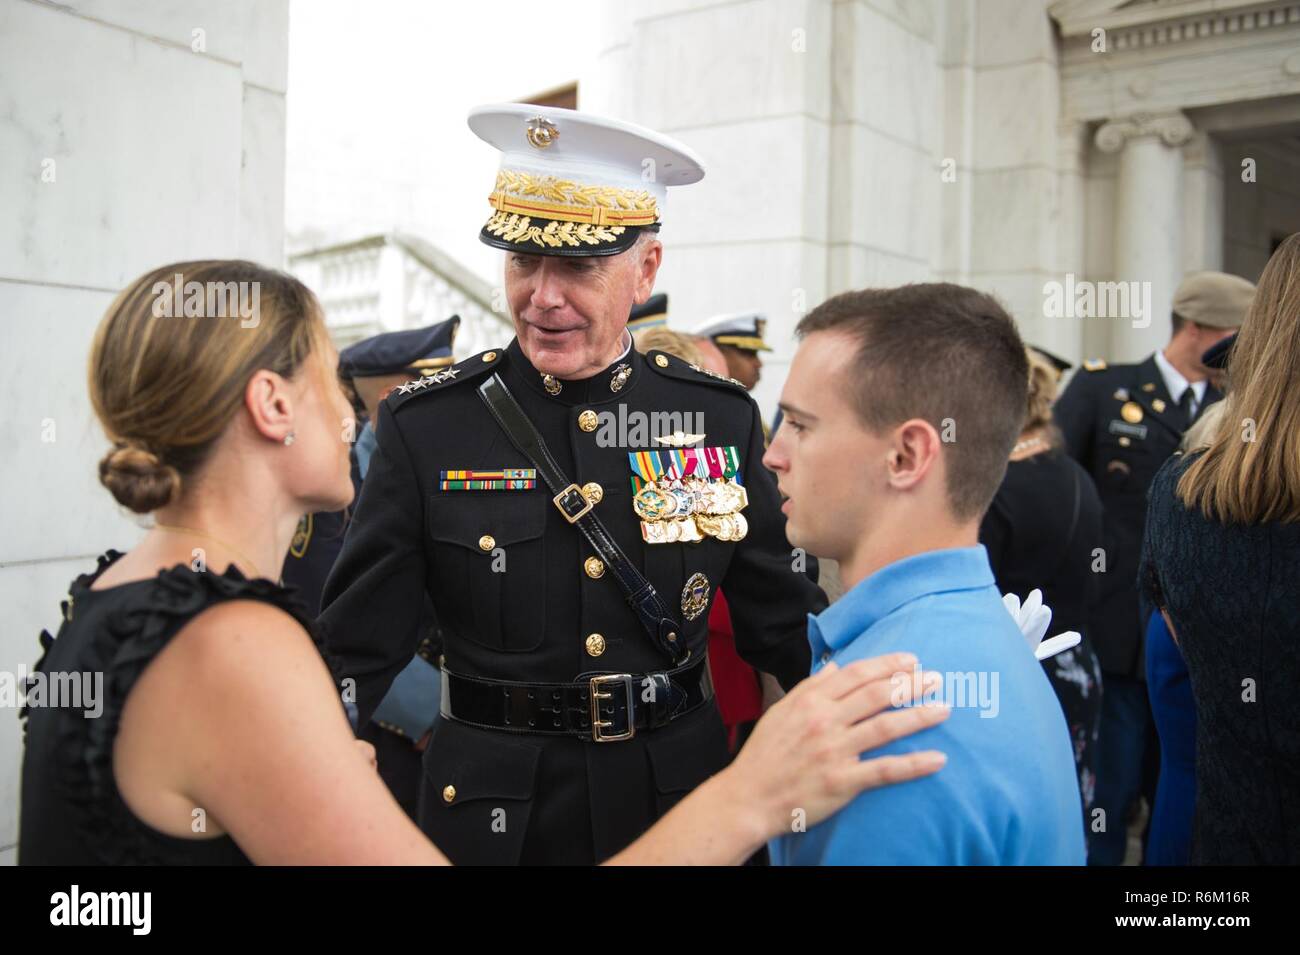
(517, 228)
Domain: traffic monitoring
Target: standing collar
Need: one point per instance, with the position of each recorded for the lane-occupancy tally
(899, 583)
(611, 383)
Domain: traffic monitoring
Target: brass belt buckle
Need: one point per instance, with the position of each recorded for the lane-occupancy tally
(567, 495)
(597, 724)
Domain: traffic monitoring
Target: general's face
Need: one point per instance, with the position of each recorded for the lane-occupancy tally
(570, 312)
(831, 470)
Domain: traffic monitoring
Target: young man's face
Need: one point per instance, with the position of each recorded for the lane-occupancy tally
(830, 467)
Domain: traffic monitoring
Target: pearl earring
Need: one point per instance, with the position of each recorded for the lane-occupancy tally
(289, 438)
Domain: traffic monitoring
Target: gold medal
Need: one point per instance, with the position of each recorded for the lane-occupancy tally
(708, 524)
(652, 503)
(1131, 412)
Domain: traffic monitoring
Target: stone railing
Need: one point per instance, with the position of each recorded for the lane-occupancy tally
(394, 281)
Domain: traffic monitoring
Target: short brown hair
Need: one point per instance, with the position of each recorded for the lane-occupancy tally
(943, 353)
(165, 388)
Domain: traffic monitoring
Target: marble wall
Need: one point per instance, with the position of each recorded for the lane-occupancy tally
(848, 143)
(851, 143)
(132, 133)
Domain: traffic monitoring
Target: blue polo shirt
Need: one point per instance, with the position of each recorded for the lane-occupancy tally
(1008, 793)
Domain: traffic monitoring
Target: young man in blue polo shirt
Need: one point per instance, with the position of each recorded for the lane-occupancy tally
(900, 411)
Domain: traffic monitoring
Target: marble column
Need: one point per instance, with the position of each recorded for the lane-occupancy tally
(1148, 223)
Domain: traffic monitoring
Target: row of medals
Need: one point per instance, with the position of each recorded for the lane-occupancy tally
(689, 509)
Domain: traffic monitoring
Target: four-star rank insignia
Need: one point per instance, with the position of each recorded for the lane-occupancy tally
(418, 384)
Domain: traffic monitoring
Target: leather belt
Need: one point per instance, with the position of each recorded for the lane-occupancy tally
(604, 708)
(651, 611)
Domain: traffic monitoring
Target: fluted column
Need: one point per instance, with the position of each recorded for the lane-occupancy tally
(1148, 220)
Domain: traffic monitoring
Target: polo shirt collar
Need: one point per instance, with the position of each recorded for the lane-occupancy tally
(873, 599)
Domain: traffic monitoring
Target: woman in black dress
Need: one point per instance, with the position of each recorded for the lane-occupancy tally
(1221, 560)
(1041, 531)
(213, 732)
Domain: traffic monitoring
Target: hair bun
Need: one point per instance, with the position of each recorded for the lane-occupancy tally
(138, 478)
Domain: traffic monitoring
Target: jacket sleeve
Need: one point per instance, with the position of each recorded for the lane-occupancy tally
(769, 591)
(1075, 414)
(374, 599)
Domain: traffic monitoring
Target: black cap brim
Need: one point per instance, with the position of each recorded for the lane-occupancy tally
(532, 235)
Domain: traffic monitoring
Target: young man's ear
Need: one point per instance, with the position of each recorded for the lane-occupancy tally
(912, 454)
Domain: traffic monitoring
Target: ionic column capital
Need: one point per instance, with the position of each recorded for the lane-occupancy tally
(1173, 128)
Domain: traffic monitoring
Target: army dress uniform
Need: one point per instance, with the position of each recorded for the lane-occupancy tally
(573, 715)
(1121, 424)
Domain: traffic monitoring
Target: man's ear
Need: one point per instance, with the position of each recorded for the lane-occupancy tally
(914, 449)
(647, 270)
(269, 404)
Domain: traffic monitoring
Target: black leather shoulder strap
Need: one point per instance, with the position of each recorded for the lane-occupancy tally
(664, 631)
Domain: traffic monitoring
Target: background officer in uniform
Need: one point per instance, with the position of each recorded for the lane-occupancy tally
(1121, 422)
(400, 727)
(652, 314)
(740, 338)
(566, 728)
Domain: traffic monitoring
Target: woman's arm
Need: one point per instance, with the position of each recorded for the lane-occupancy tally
(239, 717)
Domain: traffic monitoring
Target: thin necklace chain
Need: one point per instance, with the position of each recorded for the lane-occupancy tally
(216, 540)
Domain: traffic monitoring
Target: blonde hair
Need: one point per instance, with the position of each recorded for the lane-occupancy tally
(1256, 479)
(1043, 382)
(667, 340)
(165, 386)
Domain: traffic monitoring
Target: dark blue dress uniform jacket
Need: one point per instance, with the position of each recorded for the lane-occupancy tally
(1123, 457)
(494, 796)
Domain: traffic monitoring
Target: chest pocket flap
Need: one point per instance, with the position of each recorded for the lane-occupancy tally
(488, 565)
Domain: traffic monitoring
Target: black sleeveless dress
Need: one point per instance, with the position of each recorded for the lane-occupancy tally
(72, 812)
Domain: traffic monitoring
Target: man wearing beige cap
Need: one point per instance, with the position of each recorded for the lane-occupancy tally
(1122, 422)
